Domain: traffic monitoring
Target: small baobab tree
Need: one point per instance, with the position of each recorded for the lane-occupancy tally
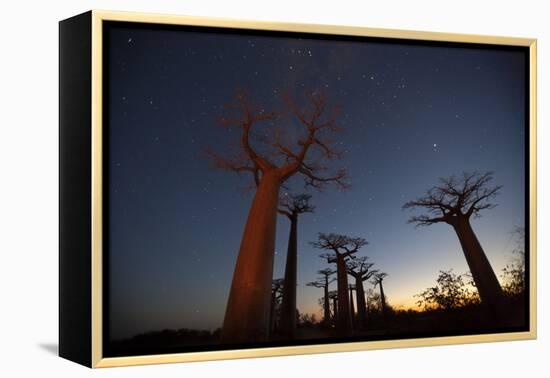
(276, 296)
(292, 206)
(341, 249)
(360, 270)
(455, 201)
(272, 148)
(351, 304)
(333, 296)
(377, 280)
(323, 282)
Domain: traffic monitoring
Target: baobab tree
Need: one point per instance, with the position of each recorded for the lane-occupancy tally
(333, 296)
(351, 304)
(292, 206)
(360, 270)
(277, 286)
(341, 248)
(377, 281)
(296, 142)
(323, 282)
(455, 201)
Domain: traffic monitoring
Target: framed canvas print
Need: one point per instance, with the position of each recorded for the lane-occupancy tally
(235, 189)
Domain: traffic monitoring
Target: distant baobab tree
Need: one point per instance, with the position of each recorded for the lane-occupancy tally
(351, 304)
(277, 286)
(271, 155)
(341, 248)
(333, 296)
(377, 281)
(360, 269)
(454, 201)
(323, 282)
(292, 206)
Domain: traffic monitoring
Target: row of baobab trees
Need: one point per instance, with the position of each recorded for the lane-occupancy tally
(357, 315)
(340, 310)
(273, 151)
(339, 251)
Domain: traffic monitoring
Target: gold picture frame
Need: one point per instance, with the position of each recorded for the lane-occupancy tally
(96, 19)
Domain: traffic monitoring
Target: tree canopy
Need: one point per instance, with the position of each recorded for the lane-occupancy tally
(297, 139)
(455, 197)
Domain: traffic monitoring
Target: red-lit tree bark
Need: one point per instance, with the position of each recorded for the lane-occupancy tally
(360, 270)
(271, 160)
(292, 207)
(324, 282)
(377, 280)
(341, 247)
(454, 202)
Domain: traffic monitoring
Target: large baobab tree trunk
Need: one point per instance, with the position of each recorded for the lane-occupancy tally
(288, 307)
(344, 319)
(248, 307)
(247, 312)
(361, 304)
(484, 277)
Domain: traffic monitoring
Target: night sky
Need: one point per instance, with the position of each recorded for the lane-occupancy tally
(410, 114)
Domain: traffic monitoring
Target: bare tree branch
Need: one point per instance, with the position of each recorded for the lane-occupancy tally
(378, 278)
(279, 149)
(317, 129)
(455, 197)
(245, 119)
(293, 205)
(360, 268)
(338, 245)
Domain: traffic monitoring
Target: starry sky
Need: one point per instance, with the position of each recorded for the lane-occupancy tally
(410, 113)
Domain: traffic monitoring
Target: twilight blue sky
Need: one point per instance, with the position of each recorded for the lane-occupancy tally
(411, 113)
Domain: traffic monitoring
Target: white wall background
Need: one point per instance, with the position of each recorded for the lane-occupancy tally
(29, 174)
